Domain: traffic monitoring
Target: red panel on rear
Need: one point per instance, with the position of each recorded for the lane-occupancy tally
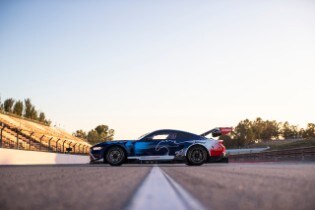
(218, 149)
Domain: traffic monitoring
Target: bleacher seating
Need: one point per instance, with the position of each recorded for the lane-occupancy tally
(21, 133)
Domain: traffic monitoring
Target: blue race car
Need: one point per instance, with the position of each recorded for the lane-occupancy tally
(163, 145)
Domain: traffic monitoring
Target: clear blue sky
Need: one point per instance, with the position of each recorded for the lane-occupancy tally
(144, 65)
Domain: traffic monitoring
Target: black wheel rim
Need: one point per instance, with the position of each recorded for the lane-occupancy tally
(197, 155)
(115, 156)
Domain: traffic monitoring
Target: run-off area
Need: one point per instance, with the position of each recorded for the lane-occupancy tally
(211, 186)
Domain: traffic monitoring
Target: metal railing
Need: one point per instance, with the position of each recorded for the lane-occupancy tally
(16, 138)
(303, 153)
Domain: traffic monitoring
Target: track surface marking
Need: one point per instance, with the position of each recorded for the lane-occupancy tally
(216, 186)
(159, 191)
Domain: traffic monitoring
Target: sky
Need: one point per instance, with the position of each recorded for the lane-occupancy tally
(139, 66)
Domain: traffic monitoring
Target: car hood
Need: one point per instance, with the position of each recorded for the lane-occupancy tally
(112, 142)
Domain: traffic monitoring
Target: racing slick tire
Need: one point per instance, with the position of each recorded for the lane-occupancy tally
(196, 156)
(115, 156)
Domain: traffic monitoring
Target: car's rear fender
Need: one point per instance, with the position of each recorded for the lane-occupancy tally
(199, 144)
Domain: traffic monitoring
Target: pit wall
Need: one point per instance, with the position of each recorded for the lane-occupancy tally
(22, 157)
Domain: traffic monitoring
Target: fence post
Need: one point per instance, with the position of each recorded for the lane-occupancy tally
(49, 142)
(3, 127)
(63, 146)
(17, 138)
(74, 147)
(29, 141)
(57, 145)
(40, 142)
(70, 146)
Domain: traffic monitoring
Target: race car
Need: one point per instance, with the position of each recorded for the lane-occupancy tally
(164, 145)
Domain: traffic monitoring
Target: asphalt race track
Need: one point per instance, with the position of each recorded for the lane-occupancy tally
(163, 186)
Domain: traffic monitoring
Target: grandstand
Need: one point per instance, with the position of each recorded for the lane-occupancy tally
(20, 133)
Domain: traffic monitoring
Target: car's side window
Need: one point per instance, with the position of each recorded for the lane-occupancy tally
(160, 137)
(163, 136)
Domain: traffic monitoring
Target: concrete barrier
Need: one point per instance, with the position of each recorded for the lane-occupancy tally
(23, 157)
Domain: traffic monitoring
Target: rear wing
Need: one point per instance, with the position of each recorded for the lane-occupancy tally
(218, 131)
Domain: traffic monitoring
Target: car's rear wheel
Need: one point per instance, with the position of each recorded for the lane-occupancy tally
(115, 156)
(196, 156)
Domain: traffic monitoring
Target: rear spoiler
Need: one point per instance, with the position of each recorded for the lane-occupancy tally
(218, 131)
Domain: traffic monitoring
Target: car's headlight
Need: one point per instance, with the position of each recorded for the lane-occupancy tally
(97, 148)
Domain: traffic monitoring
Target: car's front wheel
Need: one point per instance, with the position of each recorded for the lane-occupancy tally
(115, 156)
(196, 155)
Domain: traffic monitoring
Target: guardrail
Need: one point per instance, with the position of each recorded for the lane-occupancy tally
(245, 151)
(303, 153)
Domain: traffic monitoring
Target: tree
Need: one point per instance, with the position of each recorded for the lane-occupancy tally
(111, 133)
(1, 105)
(33, 114)
(48, 122)
(80, 134)
(257, 128)
(270, 130)
(29, 112)
(101, 129)
(8, 105)
(244, 134)
(42, 117)
(28, 108)
(93, 137)
(18, 108)
(229, 142)
(289, 131)
(100, 133)
(248, 132)
(310, 130)
(302, 133)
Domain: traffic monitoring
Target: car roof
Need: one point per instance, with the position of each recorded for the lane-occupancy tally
(173, 130)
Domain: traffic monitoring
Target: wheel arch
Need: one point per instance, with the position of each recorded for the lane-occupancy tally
(198, 144)
(115, 145)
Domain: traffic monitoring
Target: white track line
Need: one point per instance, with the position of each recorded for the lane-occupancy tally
(159, 191)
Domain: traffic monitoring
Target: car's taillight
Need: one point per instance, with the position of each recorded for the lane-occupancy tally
(222, 145)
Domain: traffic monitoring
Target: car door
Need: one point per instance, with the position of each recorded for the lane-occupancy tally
(144, 147)
(156, 144)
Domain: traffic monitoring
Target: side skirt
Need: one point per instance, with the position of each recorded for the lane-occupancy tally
(164, 157)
